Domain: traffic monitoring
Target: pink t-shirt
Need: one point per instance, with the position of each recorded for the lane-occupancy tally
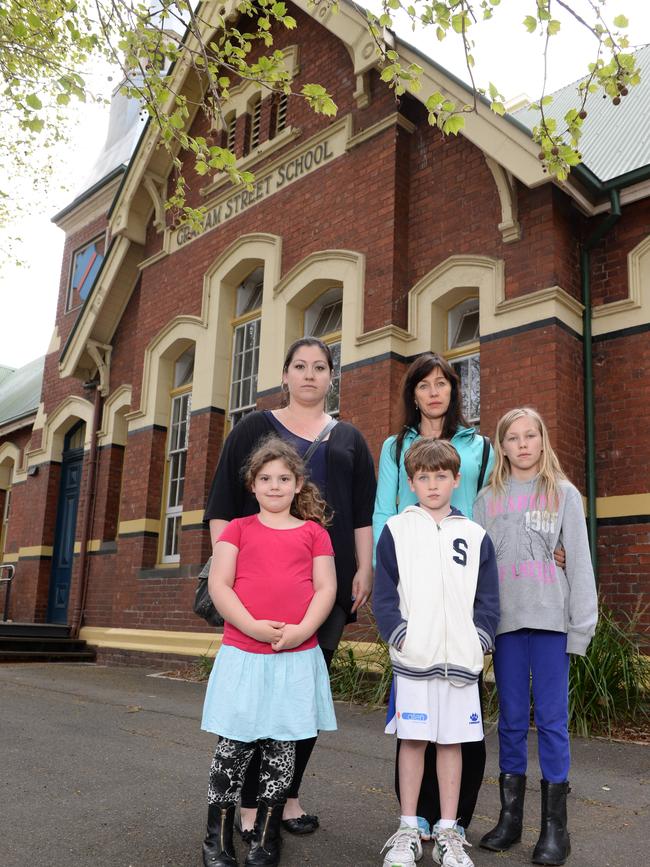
(273, 577)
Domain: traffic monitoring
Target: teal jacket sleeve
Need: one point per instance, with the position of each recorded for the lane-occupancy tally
(387, 489)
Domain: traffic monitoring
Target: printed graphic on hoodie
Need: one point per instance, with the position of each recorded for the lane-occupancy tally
(535, 538)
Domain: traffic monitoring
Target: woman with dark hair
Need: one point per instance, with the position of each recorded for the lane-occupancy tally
(340, 464)
(432, 407)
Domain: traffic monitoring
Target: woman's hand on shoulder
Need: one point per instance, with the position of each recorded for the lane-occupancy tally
(268, 631)
(292, 635)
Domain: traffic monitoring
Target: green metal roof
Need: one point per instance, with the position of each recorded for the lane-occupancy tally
(615, 138)
(20, 391)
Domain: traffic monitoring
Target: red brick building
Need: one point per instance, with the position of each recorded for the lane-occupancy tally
(371, 230)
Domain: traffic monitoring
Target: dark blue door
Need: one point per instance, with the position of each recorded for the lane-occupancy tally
(66, 523)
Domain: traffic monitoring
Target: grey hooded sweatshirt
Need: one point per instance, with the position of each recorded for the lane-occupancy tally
(534, 592)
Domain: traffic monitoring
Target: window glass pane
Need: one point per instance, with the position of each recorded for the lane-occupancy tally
(332, 401)
(329, 319)
(184, 368)
(86, 263)
(469, 371)
(468, 328)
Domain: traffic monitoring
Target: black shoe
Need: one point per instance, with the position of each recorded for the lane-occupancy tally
(265, 848)
(218, 848)
(304, 824)
(512, 790)
(554, 845)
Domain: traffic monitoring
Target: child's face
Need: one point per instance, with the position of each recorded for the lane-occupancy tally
(522, 445)
(434, 488)
(275, 486)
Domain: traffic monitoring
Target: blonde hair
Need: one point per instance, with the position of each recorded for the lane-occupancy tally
(550, 470)
(308, 504)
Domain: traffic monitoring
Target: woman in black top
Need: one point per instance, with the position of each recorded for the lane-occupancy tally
(342, 467)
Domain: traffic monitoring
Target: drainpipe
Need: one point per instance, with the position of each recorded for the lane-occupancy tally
(84, 563)
(590, 433)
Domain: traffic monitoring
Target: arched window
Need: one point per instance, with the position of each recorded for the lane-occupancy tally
(279, 114)
(246, 345)
(463, 353)
(323, 320)
(230, 132)
(177, 444)
(6, 510)
(254, 124)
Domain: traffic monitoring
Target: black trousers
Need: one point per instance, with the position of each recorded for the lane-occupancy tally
(304, 750)
(470, 781)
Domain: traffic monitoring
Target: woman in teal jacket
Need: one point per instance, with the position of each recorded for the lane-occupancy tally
(432, 407)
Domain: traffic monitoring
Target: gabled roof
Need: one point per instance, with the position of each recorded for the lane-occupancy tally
(20, 391)
(616, 138)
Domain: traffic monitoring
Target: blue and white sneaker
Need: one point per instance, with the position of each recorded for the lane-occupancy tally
(404, 848)
(449, 847)
(424, 828)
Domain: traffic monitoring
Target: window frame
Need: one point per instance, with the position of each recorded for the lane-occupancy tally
(69, 289)
(465, 351)
(330, 338)
(174, 514)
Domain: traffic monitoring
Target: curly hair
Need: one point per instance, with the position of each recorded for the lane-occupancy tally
(308, 504)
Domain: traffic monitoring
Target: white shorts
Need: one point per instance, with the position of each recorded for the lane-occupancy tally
(434, 710)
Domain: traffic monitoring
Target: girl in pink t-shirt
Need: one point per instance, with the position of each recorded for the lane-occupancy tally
(272, 579)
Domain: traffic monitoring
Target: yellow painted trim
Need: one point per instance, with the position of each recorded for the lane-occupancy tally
(139, 525)
(10, 558)
(620, 507)
(246, 317)
(153, 640)
(36, 551)
(91, 545)
(194, 517)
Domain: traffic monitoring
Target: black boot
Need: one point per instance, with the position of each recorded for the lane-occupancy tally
(265, 848)
(512, 789)
(553, 846)
(218, 848)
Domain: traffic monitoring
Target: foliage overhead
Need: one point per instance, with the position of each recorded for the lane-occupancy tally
(48, 49)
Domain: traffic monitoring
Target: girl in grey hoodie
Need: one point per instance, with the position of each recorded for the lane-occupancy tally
(547, 613)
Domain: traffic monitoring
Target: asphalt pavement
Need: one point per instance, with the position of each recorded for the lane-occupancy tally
(107, 767)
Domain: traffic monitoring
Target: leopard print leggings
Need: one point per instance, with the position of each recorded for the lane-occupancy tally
(231, 758)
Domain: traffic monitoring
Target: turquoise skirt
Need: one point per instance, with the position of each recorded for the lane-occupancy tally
(284, 696)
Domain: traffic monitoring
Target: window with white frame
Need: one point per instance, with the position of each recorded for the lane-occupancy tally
(177, 445)
(5, 522)
(231, 132)
(463, 351)
(246, 346)
(280, 118)
(255, 121)
(323, 320)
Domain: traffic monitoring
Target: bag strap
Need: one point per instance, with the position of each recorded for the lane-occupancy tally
(321, 436)
(484, 461)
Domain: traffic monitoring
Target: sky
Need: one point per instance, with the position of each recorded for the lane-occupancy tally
(504, 54)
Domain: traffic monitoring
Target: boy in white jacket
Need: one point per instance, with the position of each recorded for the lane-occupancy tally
(436, 602)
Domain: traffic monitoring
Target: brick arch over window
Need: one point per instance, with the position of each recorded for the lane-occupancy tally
(114, 425)
(57, 424)
(441, 289)
(213, 352)
(159, 357)
(9, 464)
(299, 288)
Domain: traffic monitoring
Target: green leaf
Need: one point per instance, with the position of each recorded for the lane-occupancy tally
(553, 27)
(453, 124)
(33, 101)
(530, 23)
(621, 21)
